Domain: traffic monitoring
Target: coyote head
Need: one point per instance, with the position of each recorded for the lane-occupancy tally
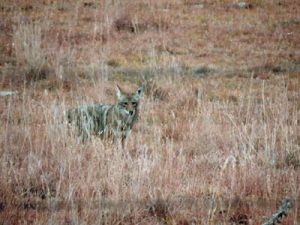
(128, 102)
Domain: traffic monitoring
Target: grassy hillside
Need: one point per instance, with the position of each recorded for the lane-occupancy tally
(218, 139)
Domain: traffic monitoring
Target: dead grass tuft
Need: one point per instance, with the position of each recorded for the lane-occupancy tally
(138, 24)
(152, 89)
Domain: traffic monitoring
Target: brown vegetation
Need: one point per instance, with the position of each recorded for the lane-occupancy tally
(217, 141)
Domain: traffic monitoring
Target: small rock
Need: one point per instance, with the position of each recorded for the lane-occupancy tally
(198, 6)
(8, 93)
(243, 5)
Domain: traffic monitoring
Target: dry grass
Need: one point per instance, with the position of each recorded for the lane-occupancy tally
(207, 149)
(191, 156)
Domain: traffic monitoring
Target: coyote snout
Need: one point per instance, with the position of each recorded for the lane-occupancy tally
(110, 122)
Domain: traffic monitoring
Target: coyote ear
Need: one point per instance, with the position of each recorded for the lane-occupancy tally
(138, 92)
(119, 93)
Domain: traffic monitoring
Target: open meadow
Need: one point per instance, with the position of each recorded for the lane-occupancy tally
(218, 136)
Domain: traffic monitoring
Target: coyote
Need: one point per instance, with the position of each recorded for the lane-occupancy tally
(110, 122)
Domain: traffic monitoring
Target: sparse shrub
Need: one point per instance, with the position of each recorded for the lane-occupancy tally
(159, 208)
(113, 63)
(292, 158)
(136, 23)
(125, 23)
(31, 57)
(151, 89)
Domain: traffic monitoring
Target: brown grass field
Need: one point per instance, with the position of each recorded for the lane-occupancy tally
(218, 138)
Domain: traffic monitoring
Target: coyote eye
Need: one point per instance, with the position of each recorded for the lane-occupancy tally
(134, 103)
(124, 104)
